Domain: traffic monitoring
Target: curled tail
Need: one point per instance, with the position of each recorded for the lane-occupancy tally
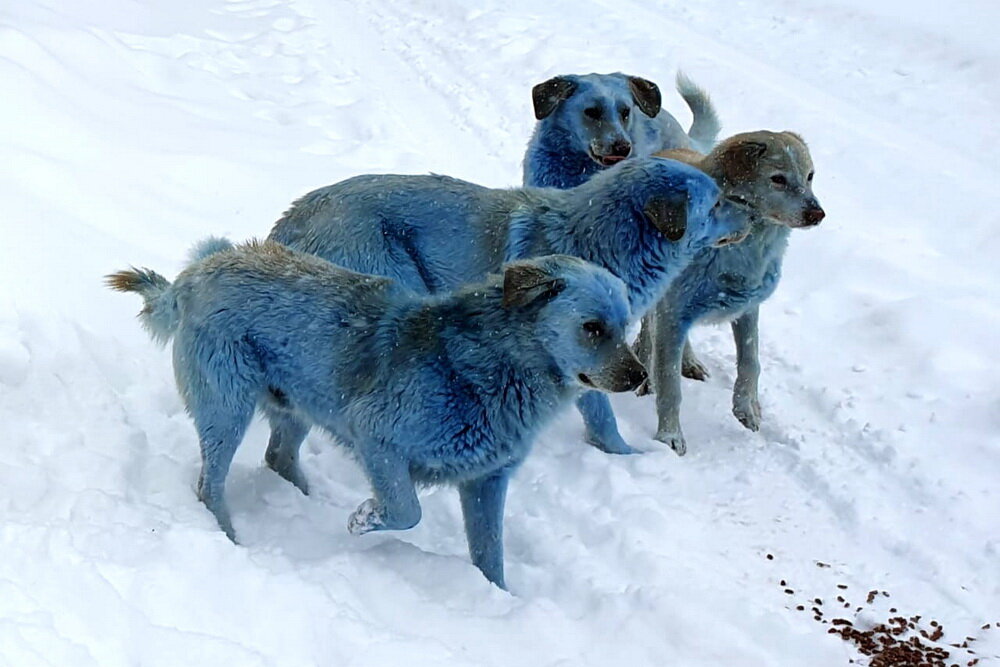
(705, 128)
(159, 315)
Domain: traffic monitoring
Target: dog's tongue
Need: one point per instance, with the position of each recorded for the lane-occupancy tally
(609, 160)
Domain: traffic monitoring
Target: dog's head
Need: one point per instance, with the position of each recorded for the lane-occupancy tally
(598, 112)
(678, 204)
(772, 172)
(579, 313)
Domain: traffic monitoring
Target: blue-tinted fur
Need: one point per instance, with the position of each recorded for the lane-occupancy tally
(435, 233)
(773, 172)
(561, 151)
(423, 389)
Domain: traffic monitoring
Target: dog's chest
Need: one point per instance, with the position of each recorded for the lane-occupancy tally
(479, 433)
(736, 278)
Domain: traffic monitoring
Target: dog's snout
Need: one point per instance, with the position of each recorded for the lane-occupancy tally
(813, 215)
(621, 149)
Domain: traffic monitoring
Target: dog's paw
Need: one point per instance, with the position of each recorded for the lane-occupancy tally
(673, 439)
(611, 445)
(747, 411)
(693, 369)
(365, 519)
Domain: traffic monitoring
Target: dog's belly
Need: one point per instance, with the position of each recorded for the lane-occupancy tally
(466, 456)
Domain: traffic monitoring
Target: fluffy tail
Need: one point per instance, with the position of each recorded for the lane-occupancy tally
(705, 128)
(207, 247)
(159, 315)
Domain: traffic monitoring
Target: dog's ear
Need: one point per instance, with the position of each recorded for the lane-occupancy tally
(668, 215)
(547, 95)
(740, 160)
(646, 95)
(526, 283)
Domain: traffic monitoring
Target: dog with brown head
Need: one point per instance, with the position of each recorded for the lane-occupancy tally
(770, 173)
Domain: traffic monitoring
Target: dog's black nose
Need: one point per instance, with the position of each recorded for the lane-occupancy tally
(620, 149)
(812, 216)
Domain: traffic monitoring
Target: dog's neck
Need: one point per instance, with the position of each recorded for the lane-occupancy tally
(598, 211)
(492, 350)
(557, 164)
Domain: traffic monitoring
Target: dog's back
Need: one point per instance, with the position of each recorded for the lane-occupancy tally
(431, 233)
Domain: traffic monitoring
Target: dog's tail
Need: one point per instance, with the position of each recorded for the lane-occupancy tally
(207, 247)
(160, 315)
(705, 128)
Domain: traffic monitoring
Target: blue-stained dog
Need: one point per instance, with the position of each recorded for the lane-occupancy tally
(644, 221)
(587, 123)
(441, 389)
(773, 173)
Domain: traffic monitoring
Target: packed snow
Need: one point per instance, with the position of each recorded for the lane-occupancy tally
(133, 129)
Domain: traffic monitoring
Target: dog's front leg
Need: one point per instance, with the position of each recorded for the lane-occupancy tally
(601, 427)
(669, 336)
(482, 508)
(395, 505)
(746, 405)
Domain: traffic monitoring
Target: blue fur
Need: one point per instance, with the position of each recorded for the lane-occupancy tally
(720, 284)
(558, 153)
(422, 389)
(436, 233)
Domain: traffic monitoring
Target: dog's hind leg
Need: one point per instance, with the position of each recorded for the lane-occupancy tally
(691, 367)
(282, 456)
(221, 424)
(746, 405)
(219, 388)
(668, 345)
(601, 427)
(395, 505)
(482, 508)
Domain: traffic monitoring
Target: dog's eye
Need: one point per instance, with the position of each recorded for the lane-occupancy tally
(594, 329)
(810, 176)
(778, 179)
(624, 112)
(593, 113)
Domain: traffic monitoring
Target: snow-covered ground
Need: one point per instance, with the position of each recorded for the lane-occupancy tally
(132, 129)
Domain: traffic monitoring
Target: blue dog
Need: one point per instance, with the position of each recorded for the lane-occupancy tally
(643, 221)
(441, 389)
(587, 123)
(773, 173)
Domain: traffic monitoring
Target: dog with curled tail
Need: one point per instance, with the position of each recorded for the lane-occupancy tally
(587, 123)
(773, 173)
(445, 389)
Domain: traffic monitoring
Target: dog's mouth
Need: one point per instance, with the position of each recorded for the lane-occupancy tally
(606, 160)
(586, 381)
(732, 239)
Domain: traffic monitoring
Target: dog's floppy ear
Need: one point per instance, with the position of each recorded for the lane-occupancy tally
(646, 95)
(547, 95)
(668, 214)
(739, 161)
(525, 283)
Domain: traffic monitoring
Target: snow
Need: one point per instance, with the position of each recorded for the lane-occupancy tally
(134, 129)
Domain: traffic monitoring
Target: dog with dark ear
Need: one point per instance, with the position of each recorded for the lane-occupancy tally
(546, 96)
(646, 95)
(587, 123)
(526, 283)
(771, 174)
